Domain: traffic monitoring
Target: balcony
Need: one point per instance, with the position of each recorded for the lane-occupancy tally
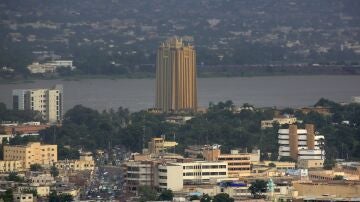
(281, 153)
(311, 152)
(284, 148)
(283, 137)
(283, 131)
(283, 142)
(302, 137)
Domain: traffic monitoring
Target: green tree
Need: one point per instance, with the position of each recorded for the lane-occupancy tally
(54, 197)
(272, 165)
(13, 176)
(222, 197)
(205, 198)
(7, 196)
(54, 171)
(146, 193)
(338, 177)
(36, 167)
(30, 191)
(194, 197)
(166, 195)
(257, 188)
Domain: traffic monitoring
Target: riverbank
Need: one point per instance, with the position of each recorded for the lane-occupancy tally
(208, 72)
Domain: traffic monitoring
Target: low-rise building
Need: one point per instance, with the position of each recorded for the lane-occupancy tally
(281, 120)
(85, 162)
(351, 170)
(355, 99)
(343, 189)
(321, 110)
(311, 163)
(324, 175)
(238, 163)
(11, 166)
(41, 191)
(23, 197)
(23, 129)
(175, 175)
(50, 67)
(282, 165)
(41, 179)
(160, 145)
(201, 172)
(178, 119)
(32, 153)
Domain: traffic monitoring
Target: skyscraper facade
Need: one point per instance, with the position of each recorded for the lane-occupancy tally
(176, 86)
(49, 102)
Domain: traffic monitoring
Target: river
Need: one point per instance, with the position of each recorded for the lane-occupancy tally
(136, 94)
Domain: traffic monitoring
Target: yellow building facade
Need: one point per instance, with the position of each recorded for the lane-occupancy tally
(158, 145)
(10, 166)
(176, 86)
(32, 153)
(85, 162)
(239, 164)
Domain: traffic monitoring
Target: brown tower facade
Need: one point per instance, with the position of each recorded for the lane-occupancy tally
(293, 141)
(176, 86)
(310, 136)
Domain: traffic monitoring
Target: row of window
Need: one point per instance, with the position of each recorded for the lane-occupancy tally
(204, 167)
(204, 173)
(239, 168)
(234, 159)
(237, 164)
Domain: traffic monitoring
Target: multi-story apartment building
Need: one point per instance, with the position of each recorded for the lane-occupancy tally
(174, 175)
(300, 143)
(138, 173)
(169, 176)
(32, 153)
(238, 163)
(176, 87)
(200, 172)
(49, 102)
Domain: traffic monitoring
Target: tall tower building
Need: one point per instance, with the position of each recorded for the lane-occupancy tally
(49, 102)
(176, 86)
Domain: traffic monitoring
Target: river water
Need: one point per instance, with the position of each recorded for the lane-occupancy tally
(136, 94)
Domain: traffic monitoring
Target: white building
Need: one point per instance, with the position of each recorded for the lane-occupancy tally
(23, 197)
(203, 171)
(172, 175)
(169, 176)
(49, 102)
(287, 119)
(355, 99)
(49, 67)
(300, 143)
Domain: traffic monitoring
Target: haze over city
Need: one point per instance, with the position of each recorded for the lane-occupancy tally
(166, 100)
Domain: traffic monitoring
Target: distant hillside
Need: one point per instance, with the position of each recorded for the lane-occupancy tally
(121, 36)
